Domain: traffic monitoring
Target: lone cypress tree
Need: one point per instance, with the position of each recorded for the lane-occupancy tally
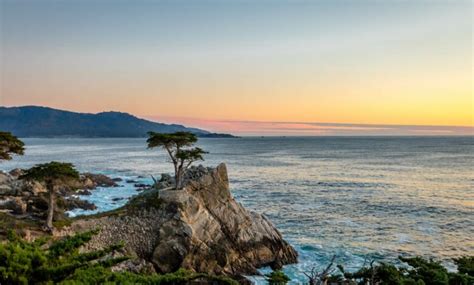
(180, 150)
(9, 145)
(53, 174)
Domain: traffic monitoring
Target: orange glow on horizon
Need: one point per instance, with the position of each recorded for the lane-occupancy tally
(409, 64)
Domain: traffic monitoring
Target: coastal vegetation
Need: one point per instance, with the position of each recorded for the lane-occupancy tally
(277, 277)
(54, 175)
(10, 145)
(415, 271)
(62, 262)
(45, 261)
(179, 148)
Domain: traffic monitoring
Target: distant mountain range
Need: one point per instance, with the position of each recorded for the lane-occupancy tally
(34, 121)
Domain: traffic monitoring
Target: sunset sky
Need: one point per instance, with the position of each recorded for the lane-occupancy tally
(243, 66)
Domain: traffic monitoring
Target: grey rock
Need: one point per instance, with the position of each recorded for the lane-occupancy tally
(15, 205)
(17, 172)
(101, 180)
(5, 178)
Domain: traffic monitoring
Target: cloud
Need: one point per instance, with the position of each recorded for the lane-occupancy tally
(281, 128)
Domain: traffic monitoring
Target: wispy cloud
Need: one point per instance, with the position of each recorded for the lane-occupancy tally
(280, 128)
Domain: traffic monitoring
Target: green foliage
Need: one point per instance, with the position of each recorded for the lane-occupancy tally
(52, 171)
(24, 262)
(431, 272)
(178, 139)
(145, 200)
(277, 277)
(193, 154)
(68, 245)
(64, 222)
(101, 275)
(465, 265)
(9, 144)
(177, 145)
(419, 272)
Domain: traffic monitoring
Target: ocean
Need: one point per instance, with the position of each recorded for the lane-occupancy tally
(359, 198)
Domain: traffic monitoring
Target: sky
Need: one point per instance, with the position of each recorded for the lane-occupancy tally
(247, 67)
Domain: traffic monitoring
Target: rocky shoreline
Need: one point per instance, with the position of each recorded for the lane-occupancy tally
(200, 228)
(29, 198)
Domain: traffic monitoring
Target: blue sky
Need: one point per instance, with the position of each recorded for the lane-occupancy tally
(355, 62)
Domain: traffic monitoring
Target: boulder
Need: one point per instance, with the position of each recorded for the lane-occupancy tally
(74, 203)
(5, 184)
(101, 180)
(87, 183)
(33, 187)
(5, 178)
(215, 234)
(139, 266)
(15, 205)
(17, 172)
(84, 192)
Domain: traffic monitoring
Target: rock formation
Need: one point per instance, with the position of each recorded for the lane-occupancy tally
(20, 197)
(201, 228)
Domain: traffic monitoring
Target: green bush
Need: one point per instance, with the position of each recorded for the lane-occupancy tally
(101, 275)
(61, 262)
(465, 265)
(24, 262)
(277, 278)
(419, 272)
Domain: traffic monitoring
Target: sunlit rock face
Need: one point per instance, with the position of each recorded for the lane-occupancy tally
(200, 227)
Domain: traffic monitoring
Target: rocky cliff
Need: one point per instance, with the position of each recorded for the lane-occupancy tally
(201, 228)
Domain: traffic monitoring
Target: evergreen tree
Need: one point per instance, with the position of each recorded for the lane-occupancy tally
(179, 148)
(53, 174)
(9, 145)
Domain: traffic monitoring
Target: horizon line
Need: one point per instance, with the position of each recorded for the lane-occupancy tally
(151, 117)
(280, 128)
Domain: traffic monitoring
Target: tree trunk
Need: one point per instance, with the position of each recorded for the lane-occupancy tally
(48, 226)
(176, 173)
(178, 179)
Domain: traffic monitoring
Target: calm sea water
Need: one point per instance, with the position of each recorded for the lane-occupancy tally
(356, 197)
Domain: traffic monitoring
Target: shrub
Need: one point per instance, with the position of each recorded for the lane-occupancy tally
(421, 272)
(465, 265)
(277, 278)
(23, 262)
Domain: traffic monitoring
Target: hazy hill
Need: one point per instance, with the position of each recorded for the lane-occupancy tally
(33, 121)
